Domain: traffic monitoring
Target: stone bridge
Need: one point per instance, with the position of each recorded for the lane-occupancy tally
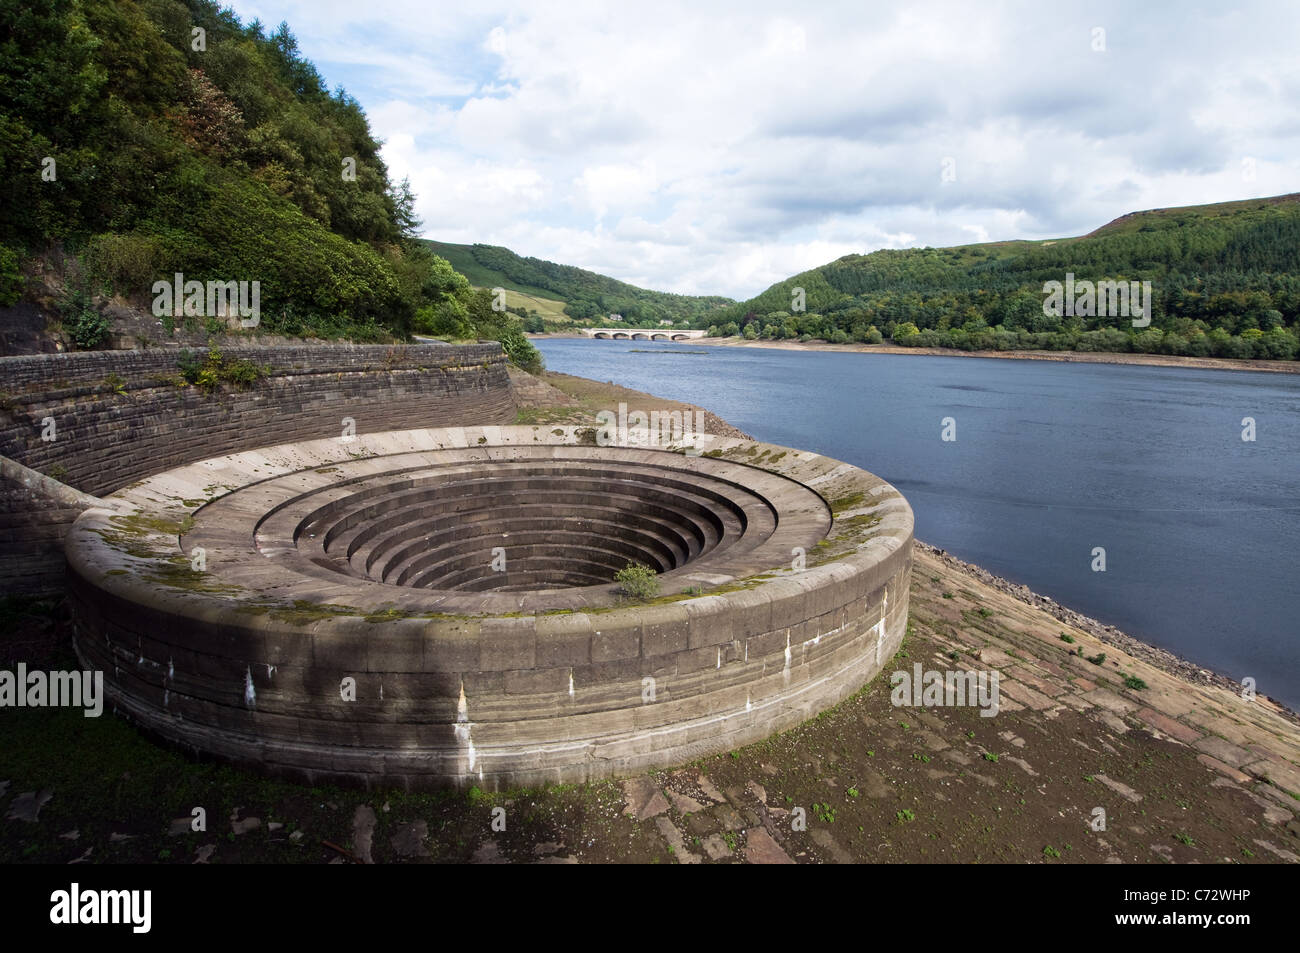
(641, 334)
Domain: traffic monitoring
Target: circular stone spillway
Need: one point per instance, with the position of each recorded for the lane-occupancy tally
(428, 608)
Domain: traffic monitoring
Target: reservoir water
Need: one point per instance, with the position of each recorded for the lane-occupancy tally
(1200, 528)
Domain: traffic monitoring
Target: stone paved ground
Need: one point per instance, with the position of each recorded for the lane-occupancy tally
(1187, 773)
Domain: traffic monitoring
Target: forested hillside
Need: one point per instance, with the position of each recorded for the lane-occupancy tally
(1225, 281)
(144, 138)
(586, 294)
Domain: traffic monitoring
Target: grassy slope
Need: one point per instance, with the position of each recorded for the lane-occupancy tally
(462, 259)
(549, 308)
(1134, 221)
(565, 289)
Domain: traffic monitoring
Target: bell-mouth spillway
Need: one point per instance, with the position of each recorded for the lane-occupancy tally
(427, 608)
(530, 520)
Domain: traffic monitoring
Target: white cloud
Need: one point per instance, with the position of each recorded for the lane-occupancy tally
(711, 148)
(619, 185)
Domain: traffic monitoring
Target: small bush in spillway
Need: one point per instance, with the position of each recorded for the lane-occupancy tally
(638, 580)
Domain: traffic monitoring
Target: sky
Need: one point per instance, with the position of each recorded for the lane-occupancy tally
(717, 148)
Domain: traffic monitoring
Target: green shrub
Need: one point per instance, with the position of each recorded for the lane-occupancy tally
(86, 325)
(242, 373)
(422, 323)
(638, 580)
(126, 263)
(188, 365)
(447, 319)
(216, 370)
(11, 277)
(519, 349)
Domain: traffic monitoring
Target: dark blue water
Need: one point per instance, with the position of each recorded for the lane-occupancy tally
(1051, 460)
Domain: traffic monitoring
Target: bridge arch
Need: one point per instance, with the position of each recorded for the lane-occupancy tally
(642, 334)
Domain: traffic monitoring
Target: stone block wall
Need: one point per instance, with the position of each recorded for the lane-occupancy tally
(497, 703)
(119, 416)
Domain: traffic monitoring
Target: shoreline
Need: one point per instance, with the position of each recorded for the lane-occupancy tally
(1061, 357)
(1163, 659)
(1167, 661)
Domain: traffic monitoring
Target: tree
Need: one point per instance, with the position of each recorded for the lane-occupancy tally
(408, 222)
(905, 331)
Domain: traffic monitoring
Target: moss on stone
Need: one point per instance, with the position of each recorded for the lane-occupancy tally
(138, 524)
(177, 573)
(302, 612)
(129, 545)
(387, 615)
(859, 522)
(846, 502)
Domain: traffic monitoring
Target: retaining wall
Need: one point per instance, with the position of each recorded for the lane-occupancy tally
(119, 416)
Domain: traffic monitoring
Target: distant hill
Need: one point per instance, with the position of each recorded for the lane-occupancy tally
(1225, 281)
(586, 294)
